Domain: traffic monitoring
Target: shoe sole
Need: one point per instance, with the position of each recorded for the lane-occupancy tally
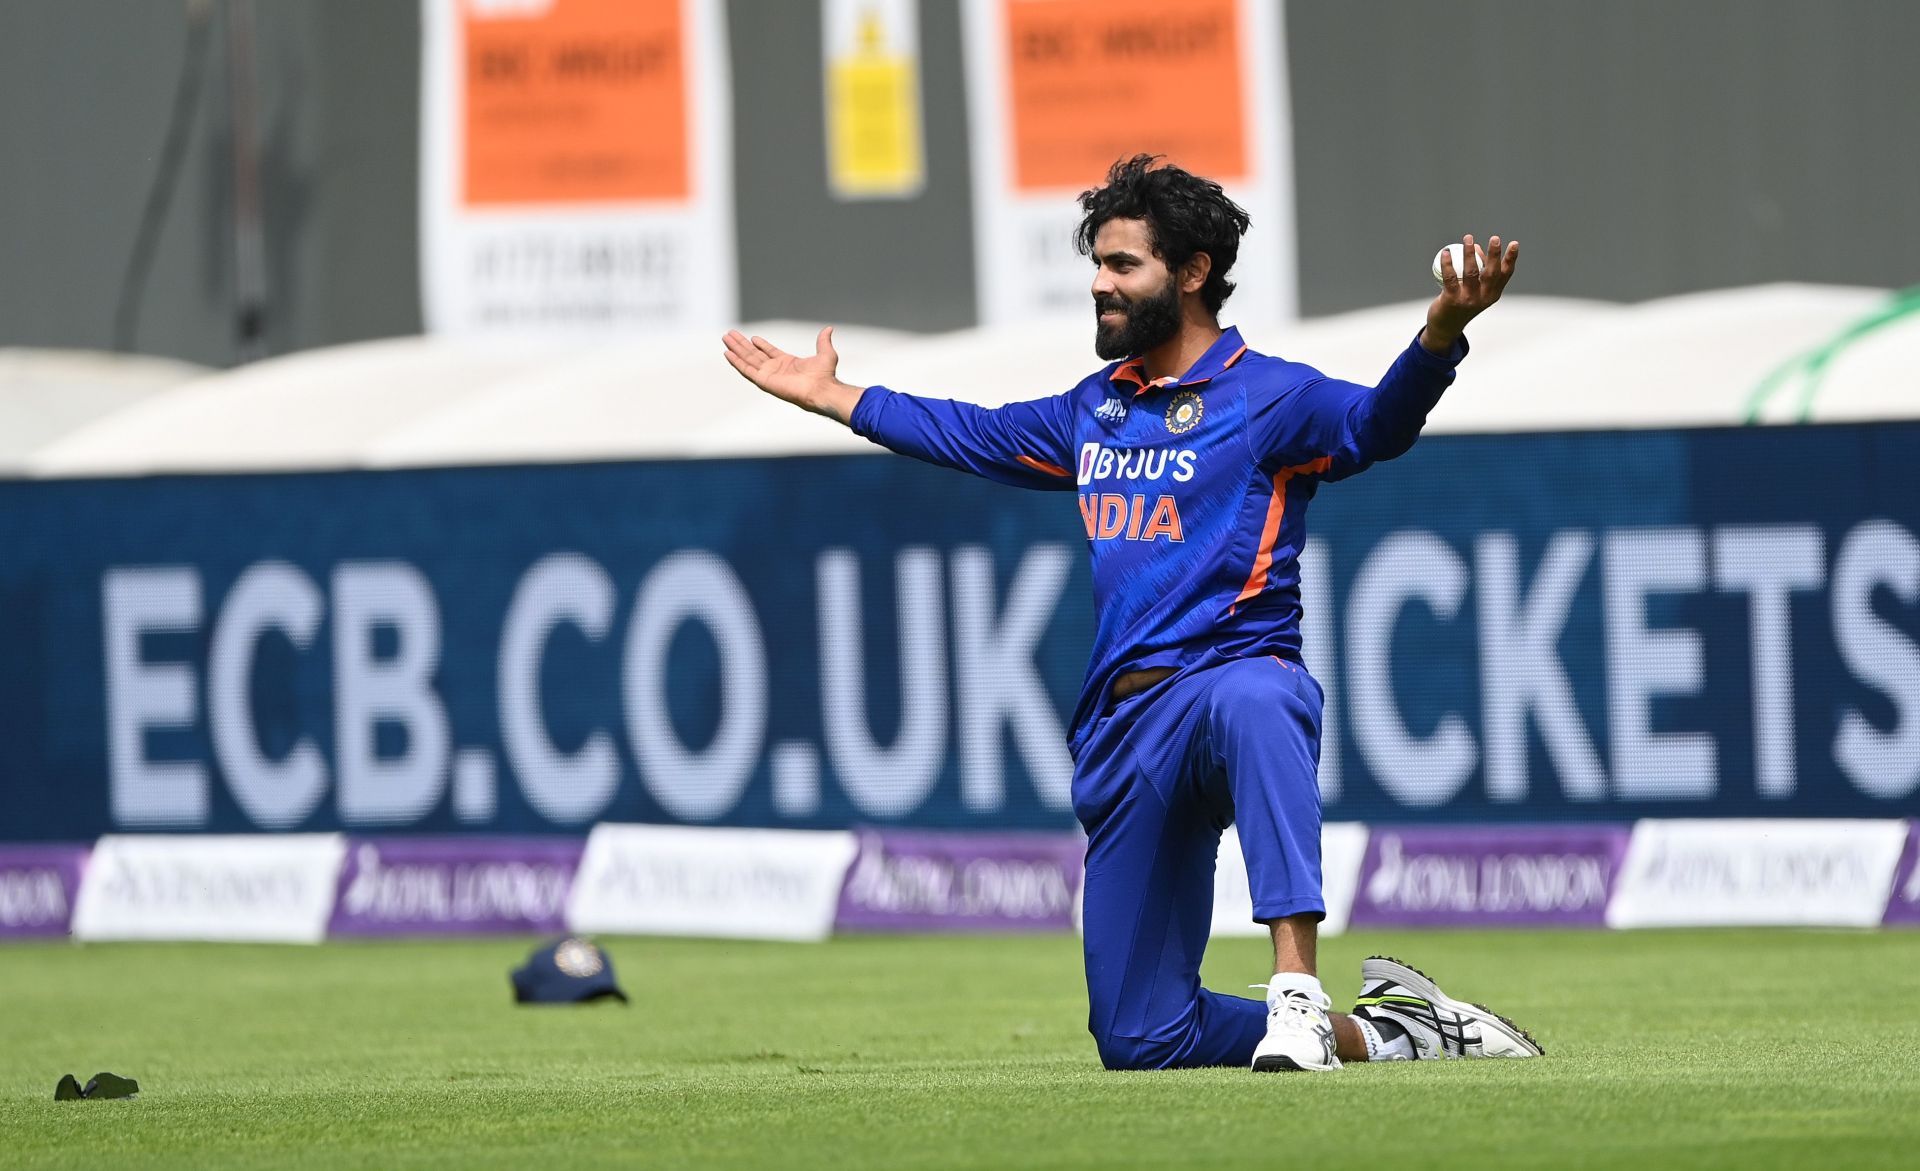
(1280, 1063)
(1423, 985)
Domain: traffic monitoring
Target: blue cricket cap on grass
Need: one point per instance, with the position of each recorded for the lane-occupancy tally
(569, 971)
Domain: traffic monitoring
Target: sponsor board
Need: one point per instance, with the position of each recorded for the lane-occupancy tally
(1757, 873)
(919, 881)
(1480, 877)
(728, 883)
(575, 169)
(1583, 660)
(1058, 90)
(1903, 902)
(412, 886)
(1342, 847)
(37, 888)
(266, 888)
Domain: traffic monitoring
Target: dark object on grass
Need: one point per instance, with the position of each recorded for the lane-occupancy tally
(569, 971)
(110, 1085)
(103, 1085)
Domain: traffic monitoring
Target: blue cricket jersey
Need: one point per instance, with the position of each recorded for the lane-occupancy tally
(1193, 492)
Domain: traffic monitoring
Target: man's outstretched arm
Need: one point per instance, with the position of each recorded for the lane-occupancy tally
(810, 383)
(1024, 444)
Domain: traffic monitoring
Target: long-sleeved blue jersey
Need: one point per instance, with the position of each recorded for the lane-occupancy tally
(1193, 492)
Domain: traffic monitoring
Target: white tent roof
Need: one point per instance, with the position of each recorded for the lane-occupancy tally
(1539, 363)
(317, 409)
(629, 401)
(1874, 376)
(1677, 362)
(1359, 346)
(46, 394)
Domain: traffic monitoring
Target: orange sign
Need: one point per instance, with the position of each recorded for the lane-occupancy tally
(575, 102)
(1091, 81)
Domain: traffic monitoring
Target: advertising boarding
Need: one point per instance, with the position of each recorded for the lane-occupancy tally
(1059, 89)
(576, 167)
(1510, 630)
(38, 885)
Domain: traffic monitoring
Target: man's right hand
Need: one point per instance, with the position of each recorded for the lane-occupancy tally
(804, 382)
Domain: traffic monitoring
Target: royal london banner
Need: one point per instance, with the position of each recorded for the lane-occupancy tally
(768, 884)
(1518, 876)
(576, 167)
(1903, 901)
(455, 885)
(38, 885)
(914, 880)
(1509, 629)
(1775, 872)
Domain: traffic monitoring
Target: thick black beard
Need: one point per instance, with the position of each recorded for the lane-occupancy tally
(1150, 321)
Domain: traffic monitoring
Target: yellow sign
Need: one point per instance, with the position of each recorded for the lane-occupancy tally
(874, 136)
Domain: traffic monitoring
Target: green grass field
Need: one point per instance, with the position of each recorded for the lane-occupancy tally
(1697, 1049)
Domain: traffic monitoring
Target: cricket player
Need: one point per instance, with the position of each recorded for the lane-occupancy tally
(1194, 459)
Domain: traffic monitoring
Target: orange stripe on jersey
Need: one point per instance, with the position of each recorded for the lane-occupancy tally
(1224, 367)
(1040, 465)
(1270, 532)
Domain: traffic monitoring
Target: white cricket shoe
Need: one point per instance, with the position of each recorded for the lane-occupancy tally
(1299, 1032)
(1438, 1025)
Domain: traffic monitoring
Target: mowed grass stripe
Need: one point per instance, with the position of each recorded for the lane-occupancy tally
(1746, 1049)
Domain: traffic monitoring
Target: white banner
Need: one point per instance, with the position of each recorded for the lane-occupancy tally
(729, 883)
(576, 167)
(1057, 90)
(1757, 873)
(276, 889)
(1343, 846)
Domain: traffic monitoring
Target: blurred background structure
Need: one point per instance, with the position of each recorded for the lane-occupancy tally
(1639, 149)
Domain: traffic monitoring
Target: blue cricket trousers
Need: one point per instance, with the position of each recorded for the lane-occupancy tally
(1159, 778)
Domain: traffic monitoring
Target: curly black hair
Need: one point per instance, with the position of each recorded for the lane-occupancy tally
(1185, 215)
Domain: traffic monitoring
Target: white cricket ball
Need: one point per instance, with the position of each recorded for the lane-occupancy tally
(1459, 260)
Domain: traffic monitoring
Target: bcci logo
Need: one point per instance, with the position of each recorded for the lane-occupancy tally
(578, 958)
(1111, 411)
(1184, 412)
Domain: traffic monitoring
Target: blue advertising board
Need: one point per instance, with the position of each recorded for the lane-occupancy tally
(1509, 628)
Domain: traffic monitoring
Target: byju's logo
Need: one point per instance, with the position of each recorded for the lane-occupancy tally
(1098, 462)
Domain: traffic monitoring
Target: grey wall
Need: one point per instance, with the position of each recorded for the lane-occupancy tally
(1636, 147)
(86, 92)
(906, 263)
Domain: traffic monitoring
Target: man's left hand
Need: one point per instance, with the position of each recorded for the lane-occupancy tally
(1466, 295)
